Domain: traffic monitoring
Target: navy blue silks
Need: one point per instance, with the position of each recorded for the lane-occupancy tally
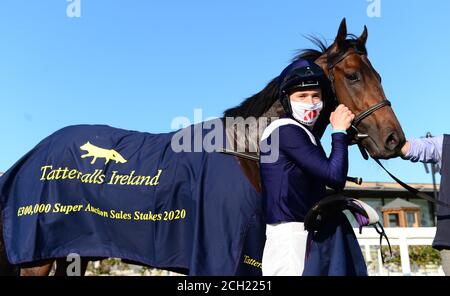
(99, 191)
(334, 250)
(298, 179)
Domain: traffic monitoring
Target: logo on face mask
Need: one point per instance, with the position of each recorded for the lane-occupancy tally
(306, 113)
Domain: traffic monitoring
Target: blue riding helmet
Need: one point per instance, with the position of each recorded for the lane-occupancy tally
(299, 75)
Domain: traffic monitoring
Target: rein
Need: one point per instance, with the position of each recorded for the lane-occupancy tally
(245, 155)
(412, 190)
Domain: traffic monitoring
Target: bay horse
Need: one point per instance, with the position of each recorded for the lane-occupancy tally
(354, 82)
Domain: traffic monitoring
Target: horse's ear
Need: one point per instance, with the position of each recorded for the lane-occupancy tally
(363, 38)
(342, 32)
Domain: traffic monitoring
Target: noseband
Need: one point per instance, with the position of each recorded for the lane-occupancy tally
(354, 134)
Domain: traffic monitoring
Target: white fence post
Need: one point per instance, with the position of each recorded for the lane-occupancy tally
(404, 255)
(367, 252)
(398, 236)
(380, 261)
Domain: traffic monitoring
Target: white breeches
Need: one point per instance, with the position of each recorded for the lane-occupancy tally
(284, 252)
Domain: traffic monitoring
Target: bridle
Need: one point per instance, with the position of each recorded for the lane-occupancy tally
(354, 135)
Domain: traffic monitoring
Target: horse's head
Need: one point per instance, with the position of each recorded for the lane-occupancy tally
(357, 85)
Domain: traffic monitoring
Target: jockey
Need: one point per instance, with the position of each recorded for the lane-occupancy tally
(294, 182)
(436, 150)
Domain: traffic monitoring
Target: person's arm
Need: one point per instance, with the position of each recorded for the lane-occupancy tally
(295, 143)
(428, 150)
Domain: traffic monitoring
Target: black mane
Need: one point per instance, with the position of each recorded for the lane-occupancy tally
(314, 54)
(259, 103)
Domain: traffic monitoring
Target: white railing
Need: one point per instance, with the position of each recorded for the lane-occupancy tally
(403, 237)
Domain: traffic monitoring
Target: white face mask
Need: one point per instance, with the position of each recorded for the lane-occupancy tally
(306, 113)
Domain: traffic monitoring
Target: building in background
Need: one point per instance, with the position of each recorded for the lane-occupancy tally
(401, 213)
(380, 194)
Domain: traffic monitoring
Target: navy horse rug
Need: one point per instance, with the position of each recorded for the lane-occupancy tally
(99, 191)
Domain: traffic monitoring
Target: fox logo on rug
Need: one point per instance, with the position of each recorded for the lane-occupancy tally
(97, 152)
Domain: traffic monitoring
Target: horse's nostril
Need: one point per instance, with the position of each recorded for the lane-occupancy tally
(392, 141)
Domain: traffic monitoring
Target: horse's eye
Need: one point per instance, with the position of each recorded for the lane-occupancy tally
(353, 77)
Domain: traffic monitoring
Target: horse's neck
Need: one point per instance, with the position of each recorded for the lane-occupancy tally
(247, 140)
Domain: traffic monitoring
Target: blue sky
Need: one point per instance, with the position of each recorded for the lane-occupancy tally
(138, 64)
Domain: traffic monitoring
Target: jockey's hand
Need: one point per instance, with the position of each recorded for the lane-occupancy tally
(341, 118)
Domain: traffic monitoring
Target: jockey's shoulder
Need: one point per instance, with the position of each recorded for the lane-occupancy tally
(289, 129)
(289, 125)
